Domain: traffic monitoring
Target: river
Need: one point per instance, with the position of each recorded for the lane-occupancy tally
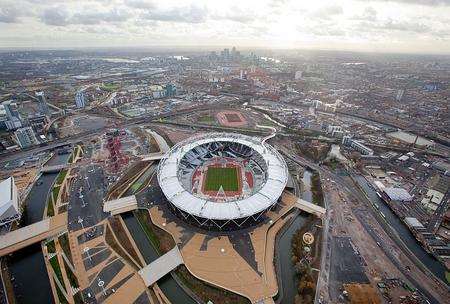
(406, 236)
(27, 266)
(288, 290)
(168, 285)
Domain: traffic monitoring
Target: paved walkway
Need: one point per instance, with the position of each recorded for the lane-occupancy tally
(120, 205)
(153, 156)
(161, 266)
(304, 205)
(33, 233)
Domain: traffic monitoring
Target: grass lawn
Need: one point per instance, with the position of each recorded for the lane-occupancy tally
(206, 119)
(225, 177)
(55, 265)
(61, 177)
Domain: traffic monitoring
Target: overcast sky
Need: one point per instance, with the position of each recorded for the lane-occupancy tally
(421, 26)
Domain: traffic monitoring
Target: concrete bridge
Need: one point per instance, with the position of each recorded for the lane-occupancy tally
(55, 168)
(153, 156)
(271, 135)
(129, 203)
(33, 233)
(161, 266)
(120, 205)
(304, 205)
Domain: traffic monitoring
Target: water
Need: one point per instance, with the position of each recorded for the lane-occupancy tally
(27, 266)
(31, 283)
(168, 285)
(306, 190)
(428, 260)
(288, 278)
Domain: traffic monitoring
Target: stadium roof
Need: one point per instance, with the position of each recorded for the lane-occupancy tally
(277, 176)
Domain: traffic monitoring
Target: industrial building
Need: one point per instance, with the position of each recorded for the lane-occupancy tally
(348, 141)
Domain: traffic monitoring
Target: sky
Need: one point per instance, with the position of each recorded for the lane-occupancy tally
(413, 26)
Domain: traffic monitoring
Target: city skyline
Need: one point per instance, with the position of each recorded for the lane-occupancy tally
(416, 26)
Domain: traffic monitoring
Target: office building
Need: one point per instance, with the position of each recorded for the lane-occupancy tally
(400, 95)
(13, 119)
(348, 141)
(335, 131)
(80, 99)
(26, 137)
(42, 103)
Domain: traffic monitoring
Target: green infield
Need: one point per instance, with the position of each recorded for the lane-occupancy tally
(225, 177)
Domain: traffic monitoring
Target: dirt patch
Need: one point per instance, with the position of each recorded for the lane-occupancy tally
(362, 294)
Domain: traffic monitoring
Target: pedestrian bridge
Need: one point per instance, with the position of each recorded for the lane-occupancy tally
(153, 156)
(33, 233)
(304, 205)
(161, 266)
(120, 205)
(55, 168)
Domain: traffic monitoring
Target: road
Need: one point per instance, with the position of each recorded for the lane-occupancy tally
(6, 157)
(351, 190)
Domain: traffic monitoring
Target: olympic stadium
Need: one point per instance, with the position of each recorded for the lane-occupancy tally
(222, 181)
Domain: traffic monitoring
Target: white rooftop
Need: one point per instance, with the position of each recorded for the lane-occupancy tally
(9, 204)
(398, 194)
(413, 222)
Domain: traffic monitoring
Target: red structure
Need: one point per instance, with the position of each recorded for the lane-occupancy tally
(116, 158)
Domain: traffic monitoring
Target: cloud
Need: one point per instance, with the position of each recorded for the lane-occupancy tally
(419, 2)
(327, 12)
(114, 15)
(404, 26)
(140, 4)
(324, 31)
(276, 3)
(59, 16)
(235, 14)
(9, 14)
(369, 14)
(190, 14)
(389, 26)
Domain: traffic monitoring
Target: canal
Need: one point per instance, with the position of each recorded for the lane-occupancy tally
(168, 285)
(27, 266)
(405, 235)
(288, 277)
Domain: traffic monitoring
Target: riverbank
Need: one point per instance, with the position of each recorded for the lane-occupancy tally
(306, 255)
(33, 288)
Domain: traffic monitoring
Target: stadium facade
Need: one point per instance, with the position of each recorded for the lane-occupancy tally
(222, 181)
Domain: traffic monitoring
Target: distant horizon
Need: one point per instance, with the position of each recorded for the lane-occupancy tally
(369, 26)
(188, 48)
